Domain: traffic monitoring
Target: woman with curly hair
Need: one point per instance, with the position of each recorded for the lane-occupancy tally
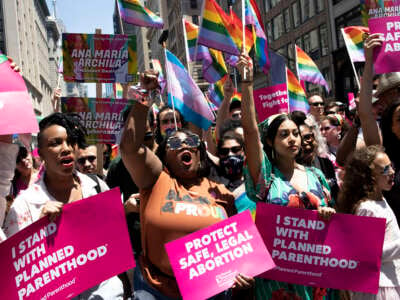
(368, 174)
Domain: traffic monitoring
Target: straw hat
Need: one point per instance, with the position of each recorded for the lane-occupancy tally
(387, 81)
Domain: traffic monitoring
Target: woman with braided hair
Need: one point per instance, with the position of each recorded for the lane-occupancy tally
(60, 184)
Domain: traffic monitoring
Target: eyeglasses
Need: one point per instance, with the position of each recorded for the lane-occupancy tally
(175, 143)
(388, 170)
(330, 112)
(317, 104)
(308, 137)
(148, 136)
(226, 150)
(82, 160)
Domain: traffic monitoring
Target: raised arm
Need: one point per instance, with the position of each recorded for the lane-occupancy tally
(143, 165)
(368, 123)
(253, 147)
(223, 110)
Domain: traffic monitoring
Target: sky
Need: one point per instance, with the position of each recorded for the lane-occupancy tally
(84, 16)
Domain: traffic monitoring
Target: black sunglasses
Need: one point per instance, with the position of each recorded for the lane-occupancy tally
(317, 104)
(226, 150)
(82, 160)
(175, 143)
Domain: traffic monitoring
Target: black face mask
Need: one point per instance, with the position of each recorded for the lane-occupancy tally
(232, 166)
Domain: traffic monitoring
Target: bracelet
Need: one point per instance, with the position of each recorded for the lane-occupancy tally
(246, 81)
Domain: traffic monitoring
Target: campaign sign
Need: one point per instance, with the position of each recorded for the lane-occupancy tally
(99, 57)
(271, 100)
(387, 57)
(207, 261)
(102, 117)
(86, 245)
(344, 253)
(15, 102)
(371, 9)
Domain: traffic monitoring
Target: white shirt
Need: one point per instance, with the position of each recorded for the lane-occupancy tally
(390, 268)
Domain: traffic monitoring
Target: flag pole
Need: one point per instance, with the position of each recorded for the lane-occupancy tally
(351, 61)
(287, 90)
(201, 24)
(244, 32)
(168, 85)
(119, 17)
(186, 47)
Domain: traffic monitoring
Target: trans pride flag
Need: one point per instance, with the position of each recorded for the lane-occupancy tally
(133, 12)
(353, 38)
(185, 95)
(161, 80)
(297, 96)
(308, 70)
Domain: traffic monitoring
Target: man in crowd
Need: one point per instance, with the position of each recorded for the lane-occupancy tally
(316, 107)
(87, 160)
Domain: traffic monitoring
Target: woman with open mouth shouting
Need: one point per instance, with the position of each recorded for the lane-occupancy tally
(60, 184)
(176, 198)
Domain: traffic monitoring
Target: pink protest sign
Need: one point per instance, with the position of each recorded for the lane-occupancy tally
(206, 262)
(88, 244)
(102, 117)
(14, 102)
(344, 253)
(271, 100)
(387, 57)
(351, 101)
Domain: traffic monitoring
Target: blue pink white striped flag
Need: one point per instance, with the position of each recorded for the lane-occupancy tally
(185, 95)
(133, 12)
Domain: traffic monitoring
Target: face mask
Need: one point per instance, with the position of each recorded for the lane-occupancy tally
(232, 165)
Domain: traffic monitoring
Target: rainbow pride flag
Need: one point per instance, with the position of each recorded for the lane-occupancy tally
(118, 91)
(236, 96)
(214, 32)
(214, 67)
(260, 40)
(185, 95)
(216, 92)
(308, 70)
(353, 38)
(297, 96)
(235, 29)
(133, 12)
(161, 79)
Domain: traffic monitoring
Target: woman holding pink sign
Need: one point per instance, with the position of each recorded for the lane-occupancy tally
(176, 198)
(368, 174)
(272, 175)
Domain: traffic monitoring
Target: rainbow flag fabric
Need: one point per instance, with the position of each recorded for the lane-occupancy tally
(185, 95)
(308, 70)
(236, 96)
(161, 79)
(214, 32)
(353, 38)
(214, 67)
(216, 92)
(235, 29)
(133, 12)
(260, 40)
(297, 96)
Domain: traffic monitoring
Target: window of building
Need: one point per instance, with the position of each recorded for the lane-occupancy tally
(351, 18)
(268, 27)
(299, 42)
(278, 27)
(307, 9)
(291, 56)
(195, 19)
(267, 5)
(274, 3)
(193, 4)
(320, 5)
(323, 35)
(296, 14)
(286, 15)
(314, 52)
(306, 43)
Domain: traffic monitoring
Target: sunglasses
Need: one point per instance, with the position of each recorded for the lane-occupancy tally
(308, 137)
(225, 151)
(82, 160)
(175, 143)
(317, 104)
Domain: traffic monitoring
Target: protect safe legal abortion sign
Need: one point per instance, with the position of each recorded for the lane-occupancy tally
(344, 253)
(387, 57)
(206, 262)
(86, 245)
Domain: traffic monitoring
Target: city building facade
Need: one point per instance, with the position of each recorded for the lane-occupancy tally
(30, 36)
